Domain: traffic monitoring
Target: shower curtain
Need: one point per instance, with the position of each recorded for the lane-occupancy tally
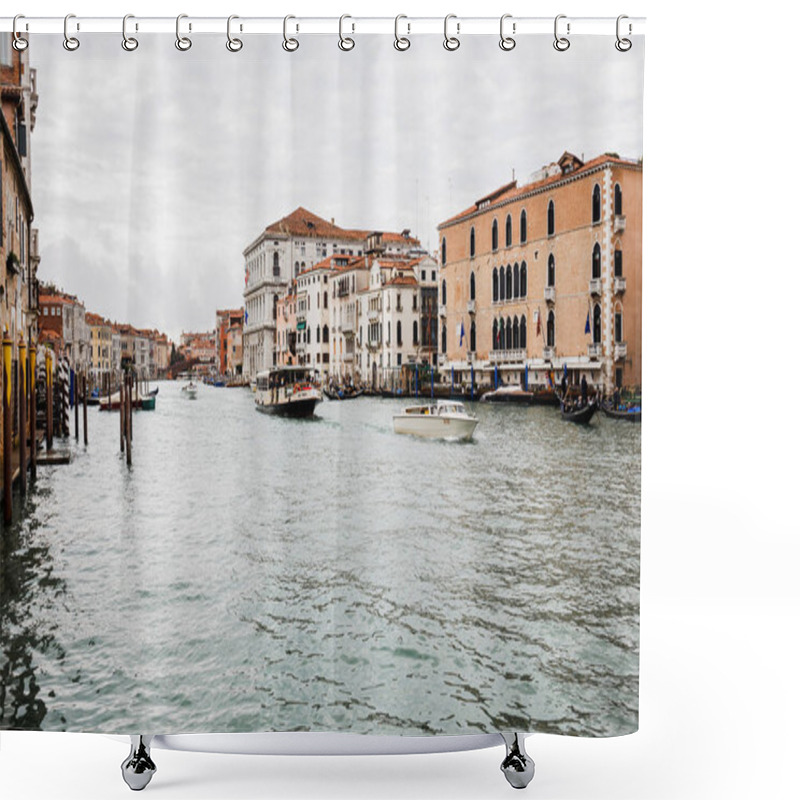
(219, 233)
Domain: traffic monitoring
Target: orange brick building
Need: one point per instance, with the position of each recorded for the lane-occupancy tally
(547, 275)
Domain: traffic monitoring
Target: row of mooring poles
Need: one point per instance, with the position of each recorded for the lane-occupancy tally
(81, 399)
(7, 433)
(126, 416)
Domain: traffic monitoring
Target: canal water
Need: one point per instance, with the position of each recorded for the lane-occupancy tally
(251, 573)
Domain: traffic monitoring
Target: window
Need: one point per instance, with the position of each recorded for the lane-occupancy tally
(596, 261)
(618, 326)
(516, 334)
(495, 336)
(274, 307)
(276, 265)
(317, 334)
(551, 329)
(495, 287)
(516, 280)
(551, 270)
(618, 263)
(509, 333)
(596, 324)
(399, 359)
(523, 280)
(502, 284)
(523, 333)
(494, 234)
(501, 336)
(509, 283)
(444, 251)
(444, 338)
(399, 333)
(444, 293)
(596, 204)
(551, 218)
(472, 337)
(472, 286)
(388, 333)
(325, 303)
(416, 332)
(508, 230)
(433, 274)
(617, 199)
(472, 243)
(523, 227)
(423, 274)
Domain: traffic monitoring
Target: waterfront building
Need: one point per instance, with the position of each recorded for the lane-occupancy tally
(226, 318)
(287, 331)
(100, 335)
(281, 252)
(546, 275)
(65, 316)
(234, 347)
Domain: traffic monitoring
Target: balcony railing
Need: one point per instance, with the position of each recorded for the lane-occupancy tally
(347, 357)
(548, 353)
(442, 310)
(506, 356)
(620, 350)
(550, 294)
(470, 306)
(619, 223)
(595, 286)
(348, 325)
(594, 350)
(619, 285)
(373, 313)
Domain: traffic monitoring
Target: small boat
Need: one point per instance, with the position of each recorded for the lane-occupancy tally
(631, 414)
(582, 415)
(190, 390)
(94, 398)
(148, 403)
(287, 392)
(342, 394)
(509, 394)
(153, 393)
(447, 419)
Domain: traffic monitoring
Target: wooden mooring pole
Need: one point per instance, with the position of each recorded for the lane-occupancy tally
(7, 432)
(121, 413)
(48, 373)
(85, 410)
(32, 404)
(129, 416)
(22, 372)
(76, 382)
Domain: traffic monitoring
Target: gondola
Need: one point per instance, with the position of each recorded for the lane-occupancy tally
(153, 393)
(340, 394)
(630, 415)
(582, 415)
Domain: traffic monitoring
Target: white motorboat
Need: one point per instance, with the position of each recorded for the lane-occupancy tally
(190, 390)
(287, 392)
(445, 420)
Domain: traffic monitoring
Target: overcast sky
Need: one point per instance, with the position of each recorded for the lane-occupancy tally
(153, 170)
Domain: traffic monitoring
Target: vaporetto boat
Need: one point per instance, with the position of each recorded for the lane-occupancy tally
(446, 419)
(287, 391)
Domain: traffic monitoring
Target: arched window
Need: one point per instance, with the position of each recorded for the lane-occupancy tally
(596, 324)
(416, 332)
(296, 268)
(399, 333)
(444, 293)
(444, 251)
(523, 332)
(618, 263)
(317, 334)
(596, 203)
(617, 199)
(516, 334)
(472, 243)
(508, 230)
(509, 283)
(502, 283)
(501, 335)
(618, 333)
(551, 270)
(551, 329)
(388, 333)
(274, 307)
(472, 337)
(325, 335)
(551, 218)
(516, 280)
(444, 338)
(596, 261)
(508, 333)
(325, 300)
(495, 336)
(472, 286)
(523, 280)
(523, 227)
(494, 234)
(495, 287)
(276, 264)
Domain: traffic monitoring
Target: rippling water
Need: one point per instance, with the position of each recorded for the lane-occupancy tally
(250, 573)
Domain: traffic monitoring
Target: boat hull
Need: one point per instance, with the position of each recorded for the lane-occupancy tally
(434, 427)
(292, 408)
(583, 416)
(628, 416)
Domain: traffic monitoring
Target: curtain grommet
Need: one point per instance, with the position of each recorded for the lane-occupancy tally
(451, 43)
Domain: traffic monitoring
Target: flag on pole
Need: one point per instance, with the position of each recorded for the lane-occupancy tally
(461, 334)
(538, 323)
(587, 328)
(246, 276)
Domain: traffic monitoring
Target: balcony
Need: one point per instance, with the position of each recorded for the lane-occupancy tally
(506, 356)
(550, 294)
(470, 306)
(348, 325)
(594, 350)
(373, 313)
(620, 351)
(442, 311)
(548, 353)
(347, 357)
(619, 285)
(619, 223)
(595, 286)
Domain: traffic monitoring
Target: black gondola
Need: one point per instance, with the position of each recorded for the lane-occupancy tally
(341, 394)
(582, 416)
(629, 415)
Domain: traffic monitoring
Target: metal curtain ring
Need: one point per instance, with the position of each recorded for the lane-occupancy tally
(561, 43)
(18, 42)
(623, 45)
(70, 42)
(289, 44)
(183, 43)
(233, 44)
(451, 42)
(128, 42)
(345, 42)
(507, 42)
(401, 42)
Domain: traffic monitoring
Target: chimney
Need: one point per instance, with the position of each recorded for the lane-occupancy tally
(333, 221)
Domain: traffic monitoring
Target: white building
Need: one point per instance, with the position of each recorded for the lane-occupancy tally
(283, 251)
